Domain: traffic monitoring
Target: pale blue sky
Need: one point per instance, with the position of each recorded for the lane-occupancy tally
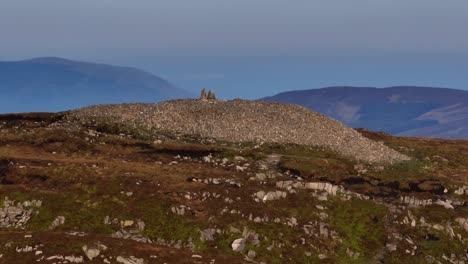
(255, 46)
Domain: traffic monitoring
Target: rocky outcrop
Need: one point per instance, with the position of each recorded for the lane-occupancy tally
(325, 187)
(249, 237)
(413, 201)
(17, 214)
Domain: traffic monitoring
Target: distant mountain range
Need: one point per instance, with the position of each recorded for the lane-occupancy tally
(55, 84)
(404, 110)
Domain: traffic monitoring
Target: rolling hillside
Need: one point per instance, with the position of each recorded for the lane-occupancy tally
(55, 84)
(407, 111)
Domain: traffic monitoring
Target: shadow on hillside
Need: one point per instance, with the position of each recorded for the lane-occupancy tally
(35, 117)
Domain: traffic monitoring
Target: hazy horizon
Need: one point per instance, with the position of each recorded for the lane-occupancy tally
(256, 77)
(251, 49)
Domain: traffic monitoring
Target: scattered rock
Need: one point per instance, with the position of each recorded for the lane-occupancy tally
(238, 245)
(130, 260)
(251, 254)
(445, 204)
(391, 247)
(17, 214)
(463, 223)
(180, 210)
(59, 220)
(207, 234)
(260, 176)
(74, 259)
(461, 190)
(413, 201)
(91, 252)
(126, 223)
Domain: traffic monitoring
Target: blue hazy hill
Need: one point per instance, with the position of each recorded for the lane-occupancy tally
(404, 110)
(55, 84)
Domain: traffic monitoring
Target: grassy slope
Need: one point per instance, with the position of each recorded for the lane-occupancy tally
(86, 178)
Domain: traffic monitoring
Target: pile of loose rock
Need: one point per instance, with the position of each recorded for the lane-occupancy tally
(240, 121)
(17, 214)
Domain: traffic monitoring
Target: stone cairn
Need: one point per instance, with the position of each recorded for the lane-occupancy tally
(203, 94)
(211, 95)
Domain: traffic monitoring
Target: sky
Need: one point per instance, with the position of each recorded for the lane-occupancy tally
(251, 48)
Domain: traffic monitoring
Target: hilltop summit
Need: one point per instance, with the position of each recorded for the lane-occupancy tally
(242, 121)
